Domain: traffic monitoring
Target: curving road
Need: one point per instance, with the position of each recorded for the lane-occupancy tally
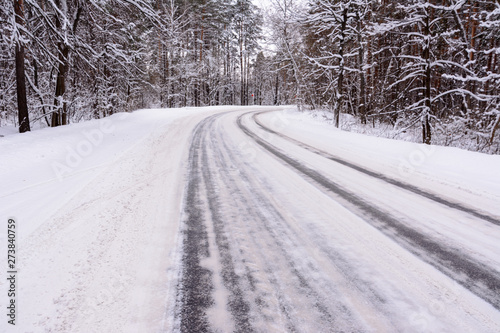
(281, 236)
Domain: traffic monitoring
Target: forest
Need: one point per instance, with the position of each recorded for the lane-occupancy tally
(426, 64)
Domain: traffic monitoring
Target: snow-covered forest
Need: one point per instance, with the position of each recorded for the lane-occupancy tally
(431, 64)
(203, 166)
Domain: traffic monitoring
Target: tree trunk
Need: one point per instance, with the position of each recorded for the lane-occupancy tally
(340, 83)
(276, 88)
(242, 64)
(362, 83)
(22, 103)
(59, 117)
(247, 84)
(40, 97)
(494, 128)
(426, 128)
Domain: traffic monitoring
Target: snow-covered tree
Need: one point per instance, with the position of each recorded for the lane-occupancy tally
(436, 64)
(247, 28)
(286, 28)
(339, 33)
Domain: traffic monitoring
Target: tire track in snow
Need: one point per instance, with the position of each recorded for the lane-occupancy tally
(280, 240)
(400, 184)
(261, 276)
(237, 304)
(476, 277)
(194, 293)
(196, 287)
(208, 155)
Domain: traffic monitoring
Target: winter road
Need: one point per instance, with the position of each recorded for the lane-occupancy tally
(247, 219)
(282, 236)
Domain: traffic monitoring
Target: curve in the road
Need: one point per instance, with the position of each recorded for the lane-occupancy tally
(206, 235)
(400, 184)
(478, 278)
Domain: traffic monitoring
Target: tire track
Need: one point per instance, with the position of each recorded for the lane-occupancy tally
(400, 184)
(195, 297)
(237, 304)
(194, 292)
(196, 287)
(480, 279)
(273, 227)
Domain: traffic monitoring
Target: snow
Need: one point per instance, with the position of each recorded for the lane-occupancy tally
(95, 245)
(99, 207)
(464, 175)
(8, 130)
(457, 175)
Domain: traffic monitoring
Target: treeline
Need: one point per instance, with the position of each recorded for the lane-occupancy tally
(205, 49)
(88, 59)
(428, 62)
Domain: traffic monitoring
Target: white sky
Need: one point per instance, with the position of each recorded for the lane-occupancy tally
(263, 4)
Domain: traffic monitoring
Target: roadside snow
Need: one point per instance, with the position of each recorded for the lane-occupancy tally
(8, 130)
(460, 175)
(97, 208)
(42, 170)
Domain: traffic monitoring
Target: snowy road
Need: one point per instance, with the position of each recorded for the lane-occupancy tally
(282, 236)
(249, 220)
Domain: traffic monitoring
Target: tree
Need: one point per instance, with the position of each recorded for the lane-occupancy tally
(86, 55)
(247, 22)
(286, 27)
(22, 103)
(491, 24)
(334, 24)
(424, 26)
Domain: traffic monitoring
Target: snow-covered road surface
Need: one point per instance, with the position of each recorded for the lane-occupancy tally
(240, 219)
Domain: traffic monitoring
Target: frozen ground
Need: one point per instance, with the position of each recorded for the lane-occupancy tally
(237, 219)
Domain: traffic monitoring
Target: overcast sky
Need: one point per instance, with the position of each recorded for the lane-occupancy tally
(264, 4)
